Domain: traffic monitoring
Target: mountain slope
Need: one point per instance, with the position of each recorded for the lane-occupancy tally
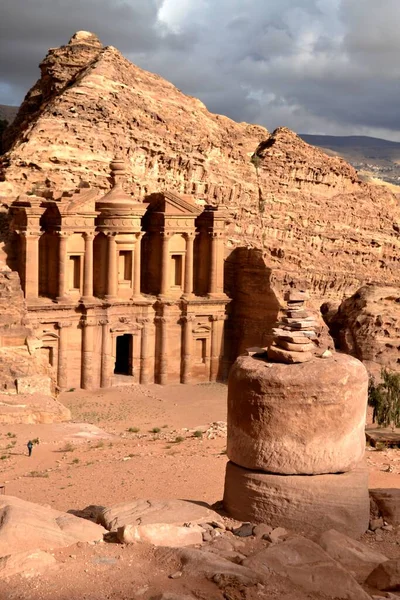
(310, 215)
(372, 157)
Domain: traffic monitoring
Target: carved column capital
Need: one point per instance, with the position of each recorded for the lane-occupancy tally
(103, 322)
(62, 324)
(143, 320)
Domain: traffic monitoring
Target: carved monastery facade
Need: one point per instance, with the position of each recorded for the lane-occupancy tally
(119, 287)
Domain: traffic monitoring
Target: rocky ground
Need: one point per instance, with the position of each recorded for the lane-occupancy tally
(147, 442)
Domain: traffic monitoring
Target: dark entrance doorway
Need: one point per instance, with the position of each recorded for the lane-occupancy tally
(123, 359)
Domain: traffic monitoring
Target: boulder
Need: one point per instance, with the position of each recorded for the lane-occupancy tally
(161, 534)
(310, 504)
(308, 566)
(148, 512)
(388, 503)
(300, 419)
(354, 556)
(31, 562)
(25, 526)
(199, 562)
(386, 576)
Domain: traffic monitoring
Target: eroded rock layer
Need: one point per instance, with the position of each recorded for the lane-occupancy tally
(367, 326)
(308, 213)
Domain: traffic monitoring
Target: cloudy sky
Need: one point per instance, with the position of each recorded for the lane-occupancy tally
(316, 66)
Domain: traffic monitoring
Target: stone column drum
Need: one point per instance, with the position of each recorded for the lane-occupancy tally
(296, 442)
(306, 418)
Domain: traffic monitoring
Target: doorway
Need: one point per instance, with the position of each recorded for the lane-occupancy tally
(123, 356)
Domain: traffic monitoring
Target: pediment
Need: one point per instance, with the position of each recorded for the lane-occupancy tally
(82, 202)
(171, 203)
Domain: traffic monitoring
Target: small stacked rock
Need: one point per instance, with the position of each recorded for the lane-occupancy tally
(294, 332)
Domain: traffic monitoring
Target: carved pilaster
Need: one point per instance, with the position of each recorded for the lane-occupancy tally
(187, 338)
(216, 341)
(106, 363)
(62, 266)
(87, 355)
(162, 375)
(88, 268)
(31, 264)
(188, 284)
(137, 265)
(62, 362)
(112, 275)
(145, 358)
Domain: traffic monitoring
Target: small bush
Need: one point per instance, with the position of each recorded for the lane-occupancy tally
(68, 447)
(133, 430)
(179, 439)
(155, 430)
(11, 435)
(385, 399)
(38, 474)
(75, 461)
(198, 434)
(4, 457)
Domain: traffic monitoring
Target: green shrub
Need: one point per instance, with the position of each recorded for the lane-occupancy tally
(384, 397)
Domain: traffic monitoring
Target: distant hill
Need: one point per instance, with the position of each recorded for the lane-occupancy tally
(8, 113)
(372, 157)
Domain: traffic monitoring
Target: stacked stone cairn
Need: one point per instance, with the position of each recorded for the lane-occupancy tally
(296, 434)
(295, 331)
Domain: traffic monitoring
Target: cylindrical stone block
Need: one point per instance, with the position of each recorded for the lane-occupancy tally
(305, 504)
(306, 418)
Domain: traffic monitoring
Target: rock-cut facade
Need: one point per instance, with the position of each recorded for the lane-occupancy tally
(116, 287)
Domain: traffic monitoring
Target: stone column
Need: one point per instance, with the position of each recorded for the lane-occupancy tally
(216, 321)
(62, 267)
(187, 348)
(220, 264)
(31, 264)
(106, 374)
(87, 356)
(112, 274)
(213, 263)
(145, 365)
(165, 283)
(162, 375)
(188, 285)
(137, 266)
(88, 267)
(62, 363)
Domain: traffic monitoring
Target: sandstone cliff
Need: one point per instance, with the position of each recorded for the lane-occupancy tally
(21, 359)
(308, 214)
(367, 326)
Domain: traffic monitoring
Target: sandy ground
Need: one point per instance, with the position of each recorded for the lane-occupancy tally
(124, 443)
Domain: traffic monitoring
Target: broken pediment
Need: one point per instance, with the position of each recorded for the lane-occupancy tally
(171, 203)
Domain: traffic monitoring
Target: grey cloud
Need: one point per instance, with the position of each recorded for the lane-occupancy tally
(313, 65)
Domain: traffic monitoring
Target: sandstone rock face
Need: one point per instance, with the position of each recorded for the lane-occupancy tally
(354, 556)
(367, 326)
(303, 209)
(25, 526)
(303, 504)
(306, 418)
(17, 360)
(309, 567)
(150, 512)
